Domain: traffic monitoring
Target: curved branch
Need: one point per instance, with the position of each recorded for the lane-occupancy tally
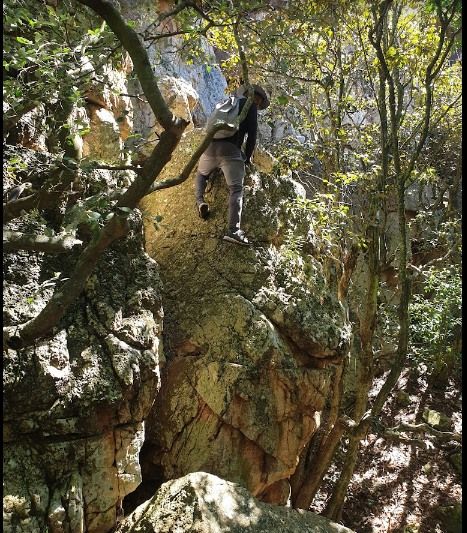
(17, 337)
(98, 166)
(242, 55)
(14, 240)
(177, 9)
(423, 428)
(40, 200)
(23, 335)
(202, 31)
(183, 176)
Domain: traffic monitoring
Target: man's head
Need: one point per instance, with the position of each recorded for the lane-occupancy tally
(258, 100)
(261, 98)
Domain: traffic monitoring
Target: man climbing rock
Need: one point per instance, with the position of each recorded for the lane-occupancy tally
(226, 154)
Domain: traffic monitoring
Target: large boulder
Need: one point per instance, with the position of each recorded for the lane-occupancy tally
(251, 333)
(204, 503)
(75, 404)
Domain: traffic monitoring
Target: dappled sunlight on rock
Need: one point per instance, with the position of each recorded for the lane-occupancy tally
(203, 502)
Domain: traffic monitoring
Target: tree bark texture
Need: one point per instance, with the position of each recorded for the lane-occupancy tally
(365, 375)
(315, 460)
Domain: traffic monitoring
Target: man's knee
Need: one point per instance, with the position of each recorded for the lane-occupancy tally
(236, 188)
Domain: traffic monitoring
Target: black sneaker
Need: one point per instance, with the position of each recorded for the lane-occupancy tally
(237, 237)
(203, 210)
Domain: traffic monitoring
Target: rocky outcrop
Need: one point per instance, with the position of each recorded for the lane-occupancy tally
(250, 333)
(205, 503)
(75, 404)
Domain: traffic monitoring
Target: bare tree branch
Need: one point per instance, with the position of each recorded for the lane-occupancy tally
(40, 200)
(202, 31)
(183, 176)
(423, 428)
(137, 96)
(13, 240)
(177, 9)
(99, 166)
(438, 260)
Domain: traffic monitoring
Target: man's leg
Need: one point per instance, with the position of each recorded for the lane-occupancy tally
(235, 206)
(234, 172)
(201, 182)
(205, 166)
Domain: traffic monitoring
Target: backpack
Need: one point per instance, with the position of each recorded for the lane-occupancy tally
(227, 112)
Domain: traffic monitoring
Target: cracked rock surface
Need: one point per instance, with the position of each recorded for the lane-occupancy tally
(74, 405)
(250, 333)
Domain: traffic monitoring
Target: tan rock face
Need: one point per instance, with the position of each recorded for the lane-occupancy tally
(91, 476)
(248, 425)
(103, 142)
(205, 503)
(250, 333)
(181, 98)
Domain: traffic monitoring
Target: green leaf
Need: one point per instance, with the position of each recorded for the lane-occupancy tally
(282, 99)
(126, 210)
(93, 215)
(22, 40)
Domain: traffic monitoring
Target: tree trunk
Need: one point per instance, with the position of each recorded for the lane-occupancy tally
(365, 377)
(14, 240)
(315, 460)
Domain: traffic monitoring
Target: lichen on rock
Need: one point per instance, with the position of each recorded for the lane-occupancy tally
(250, 332)
(75, 404)
(205, 503)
